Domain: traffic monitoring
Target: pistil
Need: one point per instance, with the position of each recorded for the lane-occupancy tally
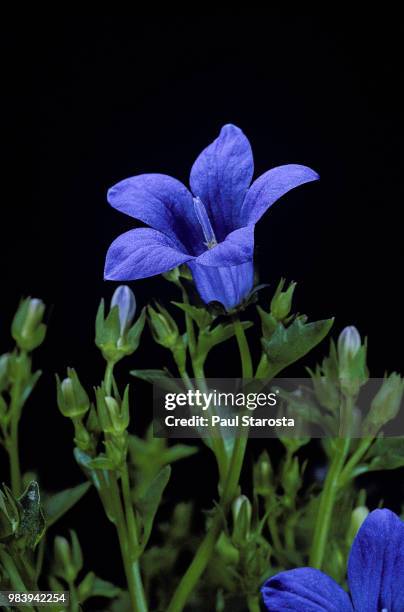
(204, 221)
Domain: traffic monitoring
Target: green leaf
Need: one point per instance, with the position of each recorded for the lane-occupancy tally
(201, 316)
(57, 505)
(149, 503)
(161, 378)
(103, 588)
(178, 452)
(135, 332)
(268, 322)
(101, 463)
(217, 335)
(289, 344)
(385, 454)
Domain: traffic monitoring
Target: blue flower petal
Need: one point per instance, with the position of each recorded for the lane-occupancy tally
(237, 248)
(270, 187)
(140, 253)
(305, 590)
(227, 285)
(376, 564)
(221, 176)
(163, 203)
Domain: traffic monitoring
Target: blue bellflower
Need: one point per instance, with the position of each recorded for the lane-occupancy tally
(210, 228)
(375, 575)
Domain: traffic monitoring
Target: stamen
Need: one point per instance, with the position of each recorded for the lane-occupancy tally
(203, 218)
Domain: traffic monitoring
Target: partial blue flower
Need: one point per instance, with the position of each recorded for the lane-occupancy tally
(375, 575)
(211, 229)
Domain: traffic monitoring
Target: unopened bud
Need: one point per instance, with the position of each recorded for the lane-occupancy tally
(242, 513)
(349, 343)
(163, 327)
(386, 404)
(27, 328)
(281, 302)
(351, 361)
(358, 516)
(125, 299)
(68, 557)
(72, 399)
(113, 417)
(263, 475)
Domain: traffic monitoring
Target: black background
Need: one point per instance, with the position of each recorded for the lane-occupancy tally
(87, 102)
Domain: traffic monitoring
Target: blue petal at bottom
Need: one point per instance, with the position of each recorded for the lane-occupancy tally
(227, 285)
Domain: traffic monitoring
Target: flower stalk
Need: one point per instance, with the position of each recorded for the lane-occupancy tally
(327, 501)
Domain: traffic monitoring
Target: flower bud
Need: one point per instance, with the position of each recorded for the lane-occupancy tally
(349, 343)
(281, 302)
(63, 559)
(115, 335)
(263, 475)
(119, 415)
(351, 361)
(386, 404)
(358, 516)
(116, 450)
(68, 557)
(27, 328)
(125, 299)
(242, 513)
(82, 438)
(114, 418)
(291, 480)
(72, 399)
(163, 327)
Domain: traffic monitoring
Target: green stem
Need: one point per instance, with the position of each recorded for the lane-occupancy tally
(189, 326)
(207, 547)
(74, 605)
(327, 501)
(290, 533)
(125, 523)
(346, 473)
(217, 442)
(130, 515)
(273, 529)
(14, 456)
(186, 379)
(12, 441)
(133, 533)
(131, 565)
(246, 361)
(253, 603)
(109, 372)
(14, 577)
(345, 423)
